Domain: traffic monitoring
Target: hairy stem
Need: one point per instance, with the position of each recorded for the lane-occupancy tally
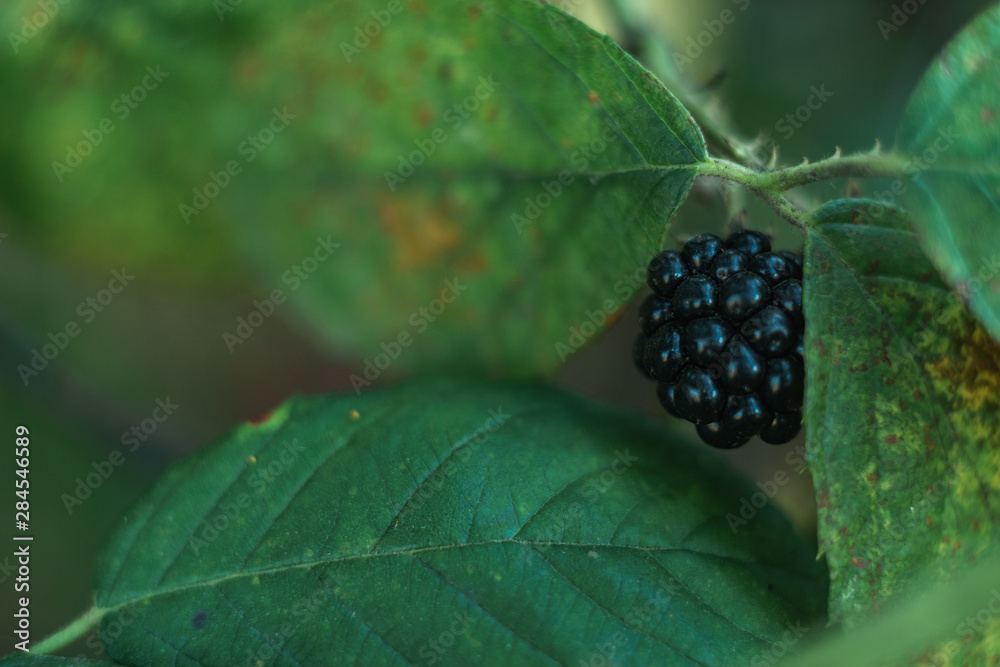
(770, 186)
(71, 632)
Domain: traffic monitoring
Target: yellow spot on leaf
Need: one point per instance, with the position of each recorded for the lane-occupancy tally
(974, 371)
(422, 232)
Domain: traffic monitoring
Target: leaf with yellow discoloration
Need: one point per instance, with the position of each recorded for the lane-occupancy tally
(902, 413)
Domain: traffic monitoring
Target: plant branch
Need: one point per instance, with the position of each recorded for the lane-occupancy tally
(770, 185)
(71, 632)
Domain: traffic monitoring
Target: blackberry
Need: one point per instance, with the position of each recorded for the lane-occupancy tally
(722, 334)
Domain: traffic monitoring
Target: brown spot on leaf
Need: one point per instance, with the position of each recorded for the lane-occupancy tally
(592, 98)
(975, 525)
(475, 11)
(890, 439)
(446, 72)
(843, 531)
(473, 264)
(987, 116)
(469, 43)
(418, 55)
(423, 231)
(918, 395)
(858, 562)
(930, 522)
(260, 420)
(377, 90)
(423, 114)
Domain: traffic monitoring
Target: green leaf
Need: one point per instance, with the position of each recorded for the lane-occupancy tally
(37, 660)
(951, 132)
(544, 204)
(903, 635)
(546, 164)
(467, 522)
(902, 411)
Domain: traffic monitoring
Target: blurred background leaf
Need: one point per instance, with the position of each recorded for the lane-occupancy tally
(951, 136)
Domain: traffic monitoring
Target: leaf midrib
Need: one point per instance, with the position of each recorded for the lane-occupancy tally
(410, 551)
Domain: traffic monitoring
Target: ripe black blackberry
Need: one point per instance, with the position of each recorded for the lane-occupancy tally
(722, 336)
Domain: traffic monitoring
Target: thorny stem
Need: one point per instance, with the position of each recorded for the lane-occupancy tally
(770, 186)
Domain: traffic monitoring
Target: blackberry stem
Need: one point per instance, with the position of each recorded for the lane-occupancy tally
(770, 185)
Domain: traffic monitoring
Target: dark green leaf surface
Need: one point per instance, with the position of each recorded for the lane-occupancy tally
(546, 164)
(457, 522)
(902, 411)
(951, 132)
(37, 660)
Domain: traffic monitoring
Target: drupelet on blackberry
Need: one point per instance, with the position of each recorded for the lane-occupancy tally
(722, 336)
